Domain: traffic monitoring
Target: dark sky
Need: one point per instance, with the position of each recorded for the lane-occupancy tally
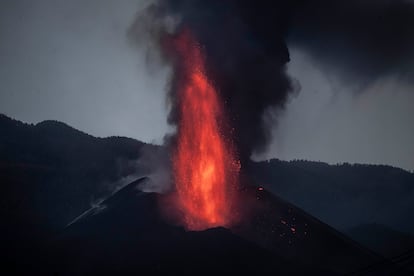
(72, 61)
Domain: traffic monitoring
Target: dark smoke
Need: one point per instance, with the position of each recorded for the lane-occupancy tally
(245, 53)
(359, 40)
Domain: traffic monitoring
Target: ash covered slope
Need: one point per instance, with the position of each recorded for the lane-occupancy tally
(344, 196)
(291, 232)
(127, 234)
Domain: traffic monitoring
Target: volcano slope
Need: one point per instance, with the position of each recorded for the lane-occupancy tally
(127, 233)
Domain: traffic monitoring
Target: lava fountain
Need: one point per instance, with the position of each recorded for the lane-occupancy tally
(205, 166)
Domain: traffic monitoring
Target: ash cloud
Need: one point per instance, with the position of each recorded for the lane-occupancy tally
(245, 54)
(359, 41)
(246, 51)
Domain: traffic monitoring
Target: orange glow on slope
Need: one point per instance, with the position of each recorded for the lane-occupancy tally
(205, 168)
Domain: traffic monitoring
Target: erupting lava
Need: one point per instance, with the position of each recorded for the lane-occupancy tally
(205, 167)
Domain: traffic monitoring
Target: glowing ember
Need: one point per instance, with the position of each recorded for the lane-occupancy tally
(204, 163)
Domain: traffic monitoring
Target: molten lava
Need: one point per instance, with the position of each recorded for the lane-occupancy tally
(205, 167)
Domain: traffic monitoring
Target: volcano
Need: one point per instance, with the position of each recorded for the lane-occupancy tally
(128, 233)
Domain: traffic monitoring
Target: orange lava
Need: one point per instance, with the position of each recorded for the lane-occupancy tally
(205, 166)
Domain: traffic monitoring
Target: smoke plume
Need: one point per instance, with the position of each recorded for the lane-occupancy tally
(359, 41)
(245, 58)
(245, 46)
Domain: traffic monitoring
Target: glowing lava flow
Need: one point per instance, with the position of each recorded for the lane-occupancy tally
(205, 168)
